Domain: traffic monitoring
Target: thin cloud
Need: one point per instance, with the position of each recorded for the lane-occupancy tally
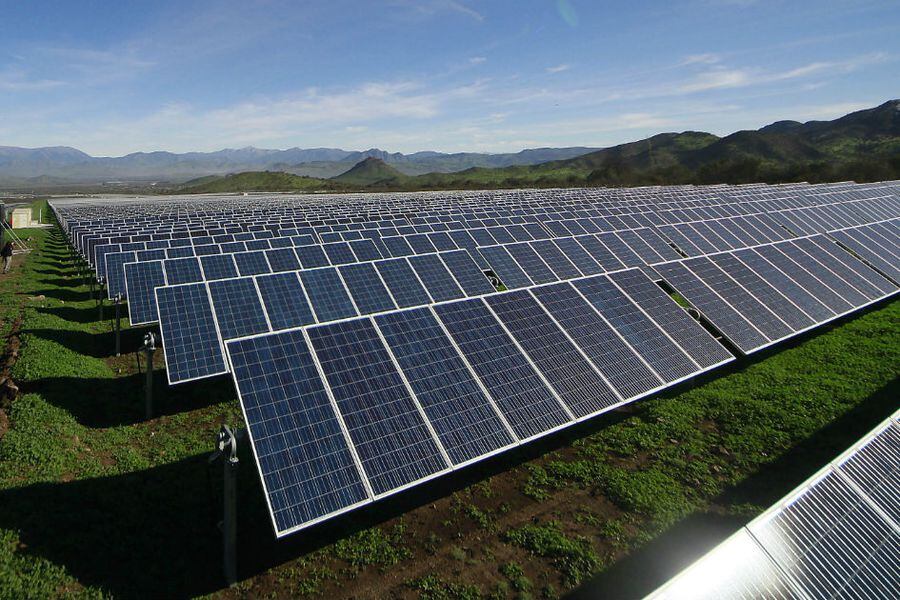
(707, 58)
(477, 60)
(558, 68)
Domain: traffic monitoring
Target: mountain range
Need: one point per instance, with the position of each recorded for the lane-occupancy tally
(68, 165)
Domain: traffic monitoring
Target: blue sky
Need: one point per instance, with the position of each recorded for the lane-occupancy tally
(112, 77)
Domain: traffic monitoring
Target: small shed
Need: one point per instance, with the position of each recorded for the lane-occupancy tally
(20, 218)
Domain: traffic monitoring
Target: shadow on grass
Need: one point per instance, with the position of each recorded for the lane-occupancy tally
(649, 567)
(153, 533)
(114, 401)
(86, 314)
(66, 295)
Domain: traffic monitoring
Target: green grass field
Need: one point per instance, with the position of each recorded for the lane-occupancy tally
(95, 501)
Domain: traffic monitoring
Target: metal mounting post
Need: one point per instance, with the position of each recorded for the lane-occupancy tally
(101, 305)
(148, 348)
(226, 449)
(118, 304)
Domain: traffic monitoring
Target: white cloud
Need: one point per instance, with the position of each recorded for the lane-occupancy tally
(558, 68)
(707, 58)
(16, 80)
(430, 8)
(477, 60)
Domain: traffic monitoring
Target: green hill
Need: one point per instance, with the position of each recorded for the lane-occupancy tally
(260, 181)
(860, 146)
(372, 172)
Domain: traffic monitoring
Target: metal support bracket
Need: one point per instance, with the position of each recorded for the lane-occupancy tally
(118, 324)
(226, 449)
(148, 349)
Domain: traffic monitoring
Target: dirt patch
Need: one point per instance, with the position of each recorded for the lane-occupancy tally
(8, 389)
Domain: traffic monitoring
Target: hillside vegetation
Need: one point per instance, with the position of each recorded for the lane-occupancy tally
(861, 146)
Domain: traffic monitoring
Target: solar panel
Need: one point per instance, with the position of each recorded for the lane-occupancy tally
(531, 263)
(182, 270)
(115, 272)
(467, 274)
(871, 253)
(402, 282)
(465, 419)
(863, 279)
(283, 259)
(690, 336)
(327, 295)
(311, 257)
(365, 250)
(660, 352)
(218, 266)
(191, 343)
(307, 467)
(574, 379)
(808, 303)
(579, 256)
(392, 440)
(555, 259)
(251, 263)
(284, 300)
(140, 280)
(366, 288)
(778, 304)
(600, 253)
(437, 279)
(527, 403)
(725, 318)
(505, 268)
(804, 278)
(628, 374)
(239, 311)
(738, 298)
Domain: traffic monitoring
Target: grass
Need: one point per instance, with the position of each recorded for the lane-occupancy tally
(95, 501)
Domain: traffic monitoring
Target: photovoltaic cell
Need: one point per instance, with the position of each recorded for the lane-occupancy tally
(462, 416)
(806, 279)
(600, 253)
(523, 398)
(190, 340)
(339, 253)
(850, 554)
(667, 359)
(556, 357)
(579, 256)
(238, 308)
(284, 300)
(674, 320)
(555, 259)
(531, 263)
(327, 294)
(115, 272)
(305, 462)
(808, 303)
(365, 250)
(389, 434)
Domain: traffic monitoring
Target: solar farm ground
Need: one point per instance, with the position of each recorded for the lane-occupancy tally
(96, 501)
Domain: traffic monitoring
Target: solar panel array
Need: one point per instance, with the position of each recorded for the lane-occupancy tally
(379, 341)
(835, 536)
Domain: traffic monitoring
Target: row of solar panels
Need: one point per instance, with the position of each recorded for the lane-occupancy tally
(754, 296)
(836, 536)
(86, 237)
(378, 388)
(692, 239)
(144, 231)
(344, 413)
(357, 207)
(586, 254)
